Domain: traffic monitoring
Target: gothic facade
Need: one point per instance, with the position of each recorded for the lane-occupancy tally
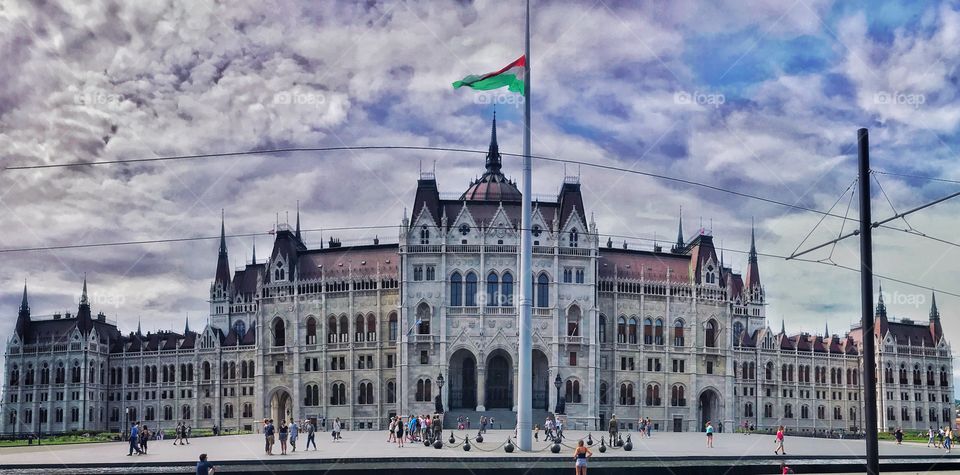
(364, 332)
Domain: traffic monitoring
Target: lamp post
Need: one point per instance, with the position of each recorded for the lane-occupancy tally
(440, 393)
(557, 382)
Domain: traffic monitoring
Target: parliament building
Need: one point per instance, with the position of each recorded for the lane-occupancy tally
(364, 332)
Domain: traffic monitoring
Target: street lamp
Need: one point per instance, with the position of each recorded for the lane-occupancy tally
(557, 382)
(439, 399)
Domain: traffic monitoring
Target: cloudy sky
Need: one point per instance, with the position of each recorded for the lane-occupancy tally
(764, 99)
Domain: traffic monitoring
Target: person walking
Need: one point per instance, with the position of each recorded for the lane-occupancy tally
(580, 456)
(709, 430)
(178, 434)
(294, 432)
(491, 422)
(144, 438)
(931, 439)
(399, 434)
(311, 435)
(536, 432)
(187, 433)
(898, 434)
(779, 441)
(337, 427)
(134, 439)
(204, 467)
(268, 435)
(784, 469)
(468, 422)
(947, 438)
(283, 433)
(649, 426)
(392, 430)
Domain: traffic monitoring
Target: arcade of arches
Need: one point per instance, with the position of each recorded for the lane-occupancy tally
(492, 385)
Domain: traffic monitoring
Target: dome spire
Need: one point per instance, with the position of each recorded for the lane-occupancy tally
(493, 153)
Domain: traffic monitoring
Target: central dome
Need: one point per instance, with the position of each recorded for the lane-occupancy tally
(493, 185)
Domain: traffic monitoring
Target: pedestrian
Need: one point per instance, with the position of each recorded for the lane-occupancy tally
(898, 434)
(268, 434)
(746, 427)
(650, 427)
(460, 422)
(784, 469)
(613, 428)
(399, 430)
(294, 432)
(559, 437)
(491, 422)
(392, 430)
(779, 441)
(144, 438)
(536, 432)
(642, 427)
(134, 439)
(931, 439)
(468, 422)
(709, 434)
(178, 434)
(160, 434)
(947, 438)
(311, 435)
(337, 427)
(940, 433)
(204, 467)
(282, 433)
(187, 433)
(580, 455)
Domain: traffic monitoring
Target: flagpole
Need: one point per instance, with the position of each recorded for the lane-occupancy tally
(525, 346)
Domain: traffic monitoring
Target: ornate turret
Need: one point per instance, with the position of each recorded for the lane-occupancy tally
(297, 234)
(186, 325)
(222, 279)
(493, 185)
(754, 287)
(23, 317)
(678, 247)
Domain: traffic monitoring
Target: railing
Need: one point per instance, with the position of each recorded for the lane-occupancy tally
(423, 338)
(428, 248)
(575, 251)
(542, 312)
(543, 250)
(500, 310)
(572, 340)
(463, 310)
(500, 248)
(464, 248)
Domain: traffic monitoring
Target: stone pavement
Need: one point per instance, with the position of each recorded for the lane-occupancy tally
(358, 445)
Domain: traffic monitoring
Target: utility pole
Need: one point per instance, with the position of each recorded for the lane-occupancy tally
(866, 306)
(525, 345)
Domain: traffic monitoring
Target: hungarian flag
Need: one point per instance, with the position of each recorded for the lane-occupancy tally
(510, 76)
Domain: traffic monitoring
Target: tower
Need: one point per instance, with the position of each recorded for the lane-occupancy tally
(23, 316)
(753, 289)
(220, 289)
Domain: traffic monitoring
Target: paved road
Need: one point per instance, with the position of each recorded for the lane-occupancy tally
(359, 445)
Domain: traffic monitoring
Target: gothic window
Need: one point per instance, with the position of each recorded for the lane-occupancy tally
(572, 393)
(371, 327)
(621, 329)
(574, 237)
(678, 332)
(424, 235)
(344, 329)
(206, 370)
(653, 395)
(677, 396)
(737, 331)
(311, 331)
(392, 326)
(493, 286)
(338, 394)
(470, 297)
(603, 393)
(626, 394)
(647, 331)
(632, 331)
(506, 289)
(312, 397)
(240, 327)
(658, 332)
(365, 395)
(424, 387)
(332, 329)
(456, 290)
(464, 229)
(543, 290)
(279, 274)
(602, 328)
(423, 319)
(279, 332)
(391, 392)
(573, 321)
(710, 336)
(358, 328)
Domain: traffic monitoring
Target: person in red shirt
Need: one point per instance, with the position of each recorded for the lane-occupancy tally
(779, 442)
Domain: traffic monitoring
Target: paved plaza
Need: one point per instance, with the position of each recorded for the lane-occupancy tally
(371, 444)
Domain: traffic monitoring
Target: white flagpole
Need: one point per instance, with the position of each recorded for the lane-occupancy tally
(525, 346)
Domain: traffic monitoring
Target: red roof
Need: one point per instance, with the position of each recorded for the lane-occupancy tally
(630, 264)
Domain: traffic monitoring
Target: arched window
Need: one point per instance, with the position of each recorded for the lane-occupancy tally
(543, 290)
(167, 413)
(572, 393)
(423, 319)
(365, 393)
(228, 411)
(279, 274)
(470, 296)
(424, 235)
(710, 336)
(678, 332)
(332, 329)
(677, 396)
(76, 372)
(788, 411)
(632, 331)
(783, 373)
(804, 412)
(371, 327)
(391, 392)
(207, 411)
(573, 321)
(506, 289)
(338, 394)
(493, 286)
(602, 328)
(603, 392)
(279, 332)
(737, 331)
(626, 394)
(456, 290)
(185, 412)
(344, 329)
(233, 370)
(621, 329)
(658, 332)
(768, 371)
(250, 369)
(358, 328)
(647, 331)
(243, 370)
(424, 388)
(748, 409)
(917, 376)
(311, 331)
(574, 238)
(392, 327)
(653, 395)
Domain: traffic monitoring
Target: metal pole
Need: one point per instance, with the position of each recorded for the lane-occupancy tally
(866, 305)
(525, 346)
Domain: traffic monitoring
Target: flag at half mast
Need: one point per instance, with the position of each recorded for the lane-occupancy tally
(511, 77)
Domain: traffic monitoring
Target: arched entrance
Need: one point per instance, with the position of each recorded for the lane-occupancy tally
(541, 380)
(463, 380)
(281, 405)
(708, 406)
(499, 383)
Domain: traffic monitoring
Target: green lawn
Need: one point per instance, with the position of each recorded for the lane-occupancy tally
(101, 437)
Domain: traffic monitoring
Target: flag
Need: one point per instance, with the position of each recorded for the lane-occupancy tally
(510, 76)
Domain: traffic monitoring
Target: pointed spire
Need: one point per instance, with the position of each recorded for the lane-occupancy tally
(753, 243)
(186, 325)
(493, 153)
(139, 332)
(826, 330)
(934, 312)
(23, 318)
(678, 247)
(25, 307)
(881, 307)
(223, 235)
(298, 222)
(83, 297)
(254, 250)
(783, 327)
(223, 261)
